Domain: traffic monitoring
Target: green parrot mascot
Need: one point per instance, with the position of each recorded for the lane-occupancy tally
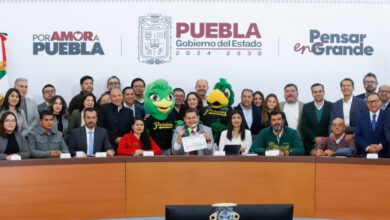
(159, 102)
(216, 114)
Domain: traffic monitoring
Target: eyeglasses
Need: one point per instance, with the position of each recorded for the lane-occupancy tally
(113, 83)
(372, 101)
(49, 91)
(384, 91)
(139, 86)
(369, 82)
(10, 120)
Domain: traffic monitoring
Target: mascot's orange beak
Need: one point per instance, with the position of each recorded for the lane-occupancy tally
(217, 99)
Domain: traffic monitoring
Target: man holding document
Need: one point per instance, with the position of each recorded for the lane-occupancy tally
(192, 138)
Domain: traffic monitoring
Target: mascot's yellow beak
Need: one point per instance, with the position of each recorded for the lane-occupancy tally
(217, 99)
(163, 106)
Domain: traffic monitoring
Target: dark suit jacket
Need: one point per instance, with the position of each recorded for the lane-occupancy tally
(78, 140)
(139, 110)
(365, 136)
(256, 116)
(362, 96)
(357, 107)
(42, 106)
(310, 128)
(116, 123)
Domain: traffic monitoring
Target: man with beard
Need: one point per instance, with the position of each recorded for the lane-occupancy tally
(370, 83)
(292, 107)
(278, 137)
(201, 87)
(315, 118)
(90, 138)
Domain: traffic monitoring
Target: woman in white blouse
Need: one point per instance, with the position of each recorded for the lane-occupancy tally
(236, 134)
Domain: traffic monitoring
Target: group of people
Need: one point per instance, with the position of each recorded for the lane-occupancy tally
(118, 123)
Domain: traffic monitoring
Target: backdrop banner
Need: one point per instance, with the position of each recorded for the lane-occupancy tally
(261, 45)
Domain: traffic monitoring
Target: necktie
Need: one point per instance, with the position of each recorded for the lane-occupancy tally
(373, 122)
(90, 145)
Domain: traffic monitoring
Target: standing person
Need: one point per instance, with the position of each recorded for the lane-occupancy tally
(104, 99)
(178, 109)
(57, 105)
(48, 91)
(12, 103)
(349, 107)
(258, 99)
(115, 118)
(129, 102)
(201, 87)
(86, 86)
(28, 105)
(76, 119)
(252, 114)
(236, 134)
(113, 82)
(12, 143)
(271, 103)
(90, 138)
(292, 107)
(315, 118)
(384, 93)
(138, 85)
(137, 141)
(370, 83)
(193, 101)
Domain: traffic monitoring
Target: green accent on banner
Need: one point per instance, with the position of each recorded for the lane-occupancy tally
(2, 74)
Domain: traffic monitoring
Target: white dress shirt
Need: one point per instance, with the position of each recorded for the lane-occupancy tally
(246, 143)
(292, 114)
(132, 108)
(346, 111)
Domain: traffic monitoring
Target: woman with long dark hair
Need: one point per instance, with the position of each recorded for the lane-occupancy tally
(258, 99)
(236, 134)
(57, 105)
(12, 103)
(193, 101)
(76, 119)
(11, 141)
(137, 141)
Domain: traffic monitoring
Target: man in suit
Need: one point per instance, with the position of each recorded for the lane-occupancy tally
(90, 138)
(370, 83)
(138, 86)
(48, 91)
(28, 105)
(347, 108)
(384, 93)
(251, 113)
(315, 118)
(115, 118)
(192, 127)
(370, 130)
(292, 108)
(129, 102)
(201, 87)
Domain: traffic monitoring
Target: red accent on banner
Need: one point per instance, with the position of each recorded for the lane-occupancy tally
(3, 38)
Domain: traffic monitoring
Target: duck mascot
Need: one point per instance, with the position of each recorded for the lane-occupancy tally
(159, 102)
(216, 114)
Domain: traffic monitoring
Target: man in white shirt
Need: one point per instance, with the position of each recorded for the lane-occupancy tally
(129, 102)
(292, 108)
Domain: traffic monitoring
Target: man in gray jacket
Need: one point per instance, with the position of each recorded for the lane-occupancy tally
(192, 127)
(28, 105)
(45, 141)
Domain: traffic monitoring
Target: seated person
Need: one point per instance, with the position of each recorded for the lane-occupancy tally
(137, 141)
(45, 141)
(191, 127)
(236, 134)
(370, 130)
(90, 138)
(329, 146)
(278, 137)
(11, 141)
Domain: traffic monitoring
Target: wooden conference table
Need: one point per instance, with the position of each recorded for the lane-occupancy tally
(90, 188)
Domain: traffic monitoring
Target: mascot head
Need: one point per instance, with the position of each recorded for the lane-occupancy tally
(222, 96)
(159, 99)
